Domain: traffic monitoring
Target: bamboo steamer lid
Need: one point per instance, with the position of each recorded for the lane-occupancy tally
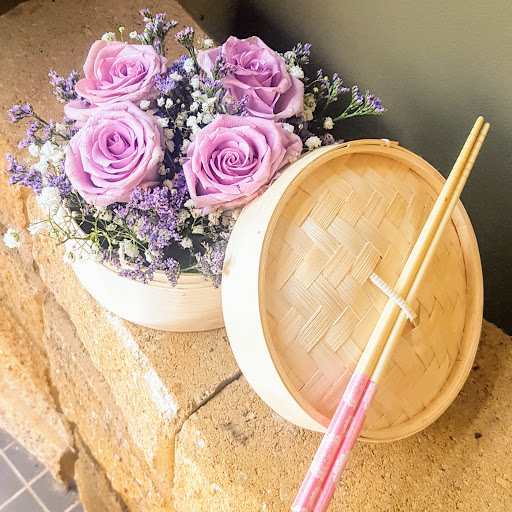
(299, 306)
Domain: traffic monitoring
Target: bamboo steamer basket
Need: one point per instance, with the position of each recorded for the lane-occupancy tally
(299, 306)
(192, 305)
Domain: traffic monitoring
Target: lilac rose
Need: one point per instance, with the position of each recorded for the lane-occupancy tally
(233, 159)
(260, 74)
(118, 149)
(114, 72)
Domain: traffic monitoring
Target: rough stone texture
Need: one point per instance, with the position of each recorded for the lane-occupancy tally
(87, 401)
(22, 291)
(27, 406)
(158, 379)
(235, 454)
(96, 493)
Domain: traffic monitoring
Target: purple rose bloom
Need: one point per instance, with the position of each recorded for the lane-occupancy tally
(116, 71)
(260, 75)
(234, 158)
(118, 149)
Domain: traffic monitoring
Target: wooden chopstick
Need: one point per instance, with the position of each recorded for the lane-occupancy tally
(358, 383)
(333, 477)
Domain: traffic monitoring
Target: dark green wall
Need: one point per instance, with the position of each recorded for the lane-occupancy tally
(436, 65)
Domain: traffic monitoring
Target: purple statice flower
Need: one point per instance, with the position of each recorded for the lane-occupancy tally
(357, 97)
(155, 30)
(61, 181)
(221, 67)
(19, 174)
(64, 88)
(155, 213)
(31, 137)
(19, 112)
(164, 83)
(302, 52)
(185, 36)
(211, 261)
(139, 271)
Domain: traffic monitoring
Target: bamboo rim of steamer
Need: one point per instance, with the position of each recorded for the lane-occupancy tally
(248, 261)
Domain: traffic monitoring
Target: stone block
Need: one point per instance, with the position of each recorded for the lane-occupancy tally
(28, 409)
(158, 379)
(96, 493)
(87, 401)
(22, 291)
(235, 454)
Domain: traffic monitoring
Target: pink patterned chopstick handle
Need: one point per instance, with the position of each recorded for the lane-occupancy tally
(328, 448)
(325, 495)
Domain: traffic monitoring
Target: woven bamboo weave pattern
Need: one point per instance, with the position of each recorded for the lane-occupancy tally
(357, 214)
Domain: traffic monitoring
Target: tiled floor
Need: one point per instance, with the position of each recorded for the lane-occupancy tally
(26, 485)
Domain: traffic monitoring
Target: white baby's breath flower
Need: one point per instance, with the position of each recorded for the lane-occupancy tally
(13, 238)
(106, 215)
(328, 123)
(49, 197)
(176, 77)
(160, 101)
(148, 256)
(168, 183)
(184, 145)
(289, 55)
(194, 82)
(188, 65)
(169, 103)
(61, 128)
(189, 203)
(163, 121)
(169, 133)
(198, 229)
(162, 170)
(196, 213)
(36, 227)
(288, 127)
(33, 149)
(133, 34)
(194, 106)
(207, 118)
(195, 129)
(213, 218)
(297, 72)
(144, 104)
(192, 121)
(307, 115)
(186, 243)
(69, 257)
(197, 95)
(96, 255)
(108, 36)
(130, 249)
(183, 215)
(169, 144)
(313, 142)
(208, 43)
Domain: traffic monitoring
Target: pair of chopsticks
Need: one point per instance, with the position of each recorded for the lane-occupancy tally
(331, 458)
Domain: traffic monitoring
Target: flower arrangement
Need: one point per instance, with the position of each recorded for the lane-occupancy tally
(154, 159)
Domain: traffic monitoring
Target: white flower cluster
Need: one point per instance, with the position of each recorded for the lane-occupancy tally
(127, 248)
(291, 65)
(109, 36)
(309, 107)
(50, 153)
(13, 238)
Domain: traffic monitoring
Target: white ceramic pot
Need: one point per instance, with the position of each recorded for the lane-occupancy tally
(192, 305)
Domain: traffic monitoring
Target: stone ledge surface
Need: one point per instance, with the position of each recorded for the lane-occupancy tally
(87, 401)
(158, 379)
(235, 454)
(27, 405)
